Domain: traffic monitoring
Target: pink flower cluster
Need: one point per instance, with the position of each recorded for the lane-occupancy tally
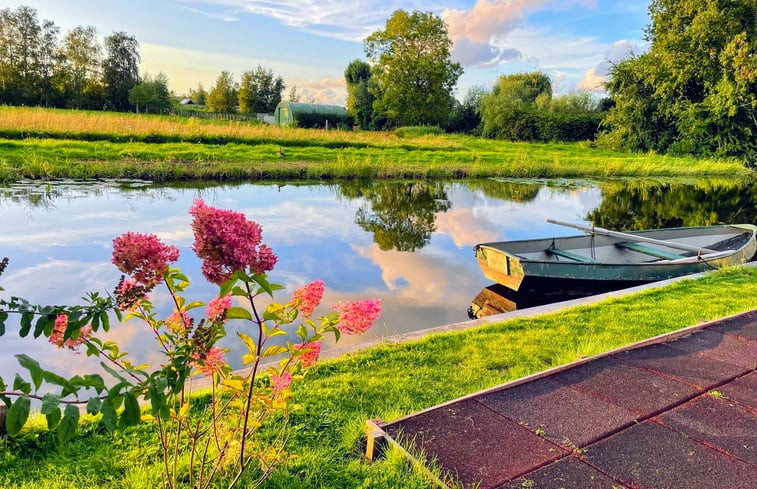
(356, 317)
(217, 307)
(59, 330)
(143, 256)
(281, 382)
(308, 297)
(211, 363)
(310, 353)
(227, 241)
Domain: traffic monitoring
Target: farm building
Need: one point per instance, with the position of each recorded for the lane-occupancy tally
(296, 114)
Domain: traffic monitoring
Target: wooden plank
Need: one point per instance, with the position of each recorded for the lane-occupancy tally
(568, 255)
(640, 248)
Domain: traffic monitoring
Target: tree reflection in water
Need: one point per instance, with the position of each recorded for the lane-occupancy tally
(634, 205)
(400, 215)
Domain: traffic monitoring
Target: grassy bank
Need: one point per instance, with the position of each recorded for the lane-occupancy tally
(46, 143)
(391, 381)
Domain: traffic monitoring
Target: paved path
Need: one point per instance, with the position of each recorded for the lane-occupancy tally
(674, 414)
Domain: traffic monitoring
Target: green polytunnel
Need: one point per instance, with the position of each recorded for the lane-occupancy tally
(297, 114)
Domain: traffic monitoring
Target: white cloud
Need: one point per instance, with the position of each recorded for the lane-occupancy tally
(325, 91)
(595, 78)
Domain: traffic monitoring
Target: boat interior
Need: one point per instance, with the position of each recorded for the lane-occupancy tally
(613, 250)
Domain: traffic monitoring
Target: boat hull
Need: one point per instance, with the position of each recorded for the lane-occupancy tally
(514, 271)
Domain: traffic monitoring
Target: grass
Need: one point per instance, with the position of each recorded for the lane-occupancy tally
(48, 143)
(391, 381)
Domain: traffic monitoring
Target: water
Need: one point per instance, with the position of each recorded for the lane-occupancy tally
(409, 244)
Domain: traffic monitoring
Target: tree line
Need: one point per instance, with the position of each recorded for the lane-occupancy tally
(693, 92)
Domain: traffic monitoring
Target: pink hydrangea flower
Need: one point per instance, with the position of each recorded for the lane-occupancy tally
(143, 256)
(281, 382)
(211, 363)
(308, 297)
(217, 307)
(227, 241)
(356, 317)
(310, 353)
(59, 330)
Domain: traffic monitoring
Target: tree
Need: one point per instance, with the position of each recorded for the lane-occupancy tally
(412, 69)
(359, 97)
(27, 56)
(260, 91)
(510, 101)
(465, 117)
(222, 97)
(198, 96)
(120, 69)
(81, 58)
(294, 94)
(151, 94)
(695, 91)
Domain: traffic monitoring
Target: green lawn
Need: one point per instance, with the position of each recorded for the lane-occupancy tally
(48, 143)
(391, 381)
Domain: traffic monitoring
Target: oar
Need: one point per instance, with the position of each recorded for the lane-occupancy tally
(633, 237)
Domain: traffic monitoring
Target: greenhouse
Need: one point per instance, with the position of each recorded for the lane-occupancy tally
(296, 114)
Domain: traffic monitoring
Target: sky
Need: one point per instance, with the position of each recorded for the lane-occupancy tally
(310, 42)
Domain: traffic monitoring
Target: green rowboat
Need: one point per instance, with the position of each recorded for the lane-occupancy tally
(603, 255)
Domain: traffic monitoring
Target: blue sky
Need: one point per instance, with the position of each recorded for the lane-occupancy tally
(310, 42)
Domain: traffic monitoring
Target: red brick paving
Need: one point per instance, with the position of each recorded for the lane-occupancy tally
(566, 416)
(719, 423)
(481, 445)
(650, 456)
(568, 472)
(641, 419)
(644, 393)
(743, 390)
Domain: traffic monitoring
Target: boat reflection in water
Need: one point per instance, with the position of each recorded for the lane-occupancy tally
(498, 299)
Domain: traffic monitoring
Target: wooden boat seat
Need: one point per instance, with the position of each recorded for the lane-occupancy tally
(567, 254)
(647, 250)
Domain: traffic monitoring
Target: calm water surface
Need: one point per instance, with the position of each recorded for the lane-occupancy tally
(409, 244)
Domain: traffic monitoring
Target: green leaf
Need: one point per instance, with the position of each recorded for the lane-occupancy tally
(93, 405)
(49, 403)
(68, 424)
(106, 321)
(113, 372)
(109, 415)
(227, 286)
(17, 415)
(193, 305)
(2, 384)
(263, 283)
(19, 384)
(26, 324)
(274, 350)
(249, 342)
(131, 414)
(56, 379)
(35, 370)
(53, 418)
(238, 313)
(42, 325)
(302, 332)
(277, 332)
(3, 318)
(239, 292)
